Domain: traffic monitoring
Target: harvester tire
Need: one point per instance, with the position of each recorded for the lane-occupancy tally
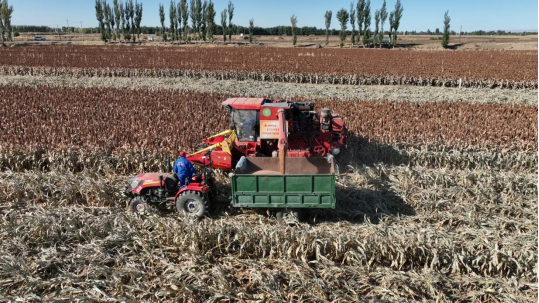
(282, 214)
(192, 203)
(139, 206)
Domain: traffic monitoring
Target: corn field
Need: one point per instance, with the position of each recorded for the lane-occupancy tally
(436, 192)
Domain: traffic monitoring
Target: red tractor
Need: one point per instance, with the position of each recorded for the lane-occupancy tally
(254, 132)
(161, 190)
(259, 128)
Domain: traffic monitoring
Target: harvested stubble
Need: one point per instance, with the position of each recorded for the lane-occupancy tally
(509, 69)
(426, 234)
(400, 93)
(156, 121)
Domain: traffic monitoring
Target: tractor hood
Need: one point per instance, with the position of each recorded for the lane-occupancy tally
(151, 177)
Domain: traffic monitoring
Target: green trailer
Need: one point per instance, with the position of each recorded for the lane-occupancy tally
(306, 183)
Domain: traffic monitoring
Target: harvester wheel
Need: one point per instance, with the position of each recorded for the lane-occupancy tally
(139, 206)
(192, 203)
(283, 214)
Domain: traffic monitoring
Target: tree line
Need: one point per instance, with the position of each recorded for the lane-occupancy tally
(6, 30)
(122, 19)
(360, 12)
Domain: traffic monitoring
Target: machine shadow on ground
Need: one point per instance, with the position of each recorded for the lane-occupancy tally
(355, 202)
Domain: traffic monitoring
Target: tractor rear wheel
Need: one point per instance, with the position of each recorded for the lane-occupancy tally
(192, 203)
(139, 206)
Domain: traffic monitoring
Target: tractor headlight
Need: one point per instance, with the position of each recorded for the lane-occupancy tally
(335, 150)
(134, 183)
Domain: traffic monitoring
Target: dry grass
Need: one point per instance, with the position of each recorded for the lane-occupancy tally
(398, 233)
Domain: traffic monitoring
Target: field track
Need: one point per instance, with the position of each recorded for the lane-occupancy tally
(509, 69)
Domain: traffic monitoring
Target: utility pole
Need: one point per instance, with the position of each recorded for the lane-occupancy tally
(58, 31)
(67, 28)
(82, 31)
(460, 34)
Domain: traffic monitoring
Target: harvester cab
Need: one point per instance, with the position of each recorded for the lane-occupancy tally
(255, 131)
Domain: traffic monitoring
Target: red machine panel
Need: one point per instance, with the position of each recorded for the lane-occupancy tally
(244, 103)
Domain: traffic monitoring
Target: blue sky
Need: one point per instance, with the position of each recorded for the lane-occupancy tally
(418, 15)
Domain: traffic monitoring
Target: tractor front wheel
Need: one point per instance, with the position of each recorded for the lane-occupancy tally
(192, 203)
(139, 206)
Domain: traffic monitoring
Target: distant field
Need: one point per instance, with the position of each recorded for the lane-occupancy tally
(511, 69)
(413, 42)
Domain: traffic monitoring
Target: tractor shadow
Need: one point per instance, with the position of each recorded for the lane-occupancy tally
(363, 191)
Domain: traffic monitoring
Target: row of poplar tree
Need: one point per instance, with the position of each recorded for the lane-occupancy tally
(361, 11)
(122, 19)
(202, 15)
(6, 11)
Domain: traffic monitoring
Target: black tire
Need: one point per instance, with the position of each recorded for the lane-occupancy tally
(282, 214)
(192, 203)
(139, 206)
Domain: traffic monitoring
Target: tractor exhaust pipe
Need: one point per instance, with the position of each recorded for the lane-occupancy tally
(283, 141)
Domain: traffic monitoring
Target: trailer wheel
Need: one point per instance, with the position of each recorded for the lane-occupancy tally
(139, 206)
(283, 214)
(192, 203)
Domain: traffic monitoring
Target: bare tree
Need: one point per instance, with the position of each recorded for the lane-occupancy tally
(342, 16)
(328, 16)
(230, 16)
